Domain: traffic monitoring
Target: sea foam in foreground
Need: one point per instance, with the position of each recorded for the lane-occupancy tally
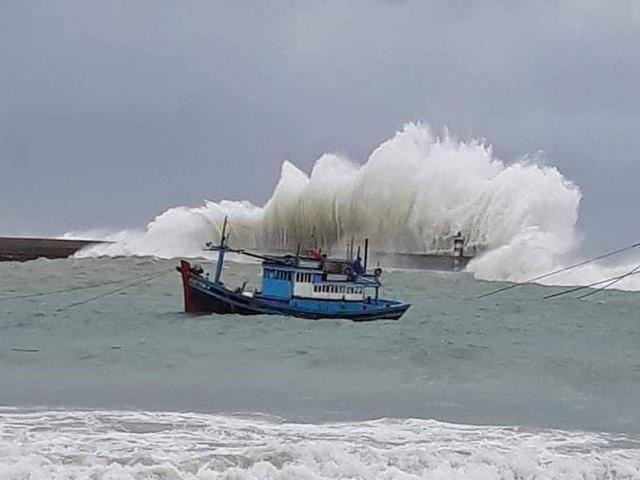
(117, 445)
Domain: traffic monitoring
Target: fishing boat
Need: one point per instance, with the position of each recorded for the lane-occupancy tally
(307, 286)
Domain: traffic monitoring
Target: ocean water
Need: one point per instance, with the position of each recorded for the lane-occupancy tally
(127, 387)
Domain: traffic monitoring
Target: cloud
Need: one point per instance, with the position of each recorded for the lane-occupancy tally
(112, 112)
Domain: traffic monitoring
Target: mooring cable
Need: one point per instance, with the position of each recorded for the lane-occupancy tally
(560, 270)
(584, 287)
(112, 292)
(70, 289)
(613, 282)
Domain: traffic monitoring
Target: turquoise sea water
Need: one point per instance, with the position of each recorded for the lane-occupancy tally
(312, 393)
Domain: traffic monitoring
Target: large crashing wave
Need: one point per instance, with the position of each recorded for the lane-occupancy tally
(415, 192)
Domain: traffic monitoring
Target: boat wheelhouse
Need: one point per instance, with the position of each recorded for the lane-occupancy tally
(309, 286)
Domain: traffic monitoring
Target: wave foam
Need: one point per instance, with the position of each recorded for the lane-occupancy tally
(141, 445)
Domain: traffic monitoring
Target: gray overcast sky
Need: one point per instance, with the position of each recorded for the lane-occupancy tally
(112, 111)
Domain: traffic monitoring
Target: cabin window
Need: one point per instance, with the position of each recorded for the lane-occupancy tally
(283, 275)
(303, 277)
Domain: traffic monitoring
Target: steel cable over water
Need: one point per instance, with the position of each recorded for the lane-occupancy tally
(614, 280)
(561, 270)
(111, 292)
(136, 281)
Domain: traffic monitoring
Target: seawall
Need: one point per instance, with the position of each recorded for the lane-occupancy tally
(21, 249)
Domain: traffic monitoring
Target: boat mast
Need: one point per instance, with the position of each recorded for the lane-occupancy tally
(221, 250)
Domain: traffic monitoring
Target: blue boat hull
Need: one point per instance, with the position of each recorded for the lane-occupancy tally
(204, 296)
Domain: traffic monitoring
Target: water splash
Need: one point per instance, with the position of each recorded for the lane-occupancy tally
(415, 192)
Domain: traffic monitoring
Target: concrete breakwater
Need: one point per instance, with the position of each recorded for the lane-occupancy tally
(21, 249)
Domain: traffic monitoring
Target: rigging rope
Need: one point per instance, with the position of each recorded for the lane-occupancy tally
(560, 270)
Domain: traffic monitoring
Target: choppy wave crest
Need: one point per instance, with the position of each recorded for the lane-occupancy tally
(141, 445)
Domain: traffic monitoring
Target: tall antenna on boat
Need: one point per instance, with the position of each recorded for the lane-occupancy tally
(366, 253)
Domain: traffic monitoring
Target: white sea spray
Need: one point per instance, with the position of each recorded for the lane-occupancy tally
(414, 194)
